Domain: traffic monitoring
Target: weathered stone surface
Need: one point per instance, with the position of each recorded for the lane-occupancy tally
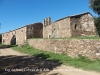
(76, 25)
(73, 47)
(58, 29)
(35, 30)
(20, 35)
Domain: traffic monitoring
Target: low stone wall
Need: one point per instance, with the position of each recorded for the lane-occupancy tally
(72, 47)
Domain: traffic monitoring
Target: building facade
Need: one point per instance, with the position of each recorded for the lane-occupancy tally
(20, 35)
(76, 25)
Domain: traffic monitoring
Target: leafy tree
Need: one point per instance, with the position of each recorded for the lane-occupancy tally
(97, 24)
(95, 6)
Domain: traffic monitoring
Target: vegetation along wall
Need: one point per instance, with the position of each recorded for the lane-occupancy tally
(73, 47)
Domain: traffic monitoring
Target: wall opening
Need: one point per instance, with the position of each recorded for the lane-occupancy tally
(49, 36)
(13, 40)
(75, 26)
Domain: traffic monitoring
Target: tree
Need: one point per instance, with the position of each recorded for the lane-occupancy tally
(97, 24)
(95, 6)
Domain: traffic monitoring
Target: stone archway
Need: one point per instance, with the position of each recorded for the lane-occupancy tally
(13, 40)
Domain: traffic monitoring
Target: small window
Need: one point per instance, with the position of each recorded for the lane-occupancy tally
(75, 26)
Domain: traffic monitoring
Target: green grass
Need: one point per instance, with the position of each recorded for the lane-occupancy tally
(81, 62)
(74, 37)
(85, 37)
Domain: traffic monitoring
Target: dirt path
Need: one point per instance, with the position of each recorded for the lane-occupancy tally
(9, 51)
(14, 63)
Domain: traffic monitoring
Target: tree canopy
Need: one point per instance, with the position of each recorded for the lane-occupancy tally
(95, 6)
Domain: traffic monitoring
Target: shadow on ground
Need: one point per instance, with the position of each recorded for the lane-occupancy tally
(26, 65)
(7, 46)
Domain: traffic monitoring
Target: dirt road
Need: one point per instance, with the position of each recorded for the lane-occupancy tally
(16, 63)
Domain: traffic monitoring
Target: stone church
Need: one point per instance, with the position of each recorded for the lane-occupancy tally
(75, 25)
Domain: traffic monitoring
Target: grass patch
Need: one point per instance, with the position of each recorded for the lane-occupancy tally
(74, 37)
(81, 62)
(85, 37)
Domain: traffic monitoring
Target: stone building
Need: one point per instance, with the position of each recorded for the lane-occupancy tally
(20, 35)
(76, 25)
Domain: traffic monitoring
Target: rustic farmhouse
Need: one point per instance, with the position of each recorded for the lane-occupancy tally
(20, 35)
(76, 25)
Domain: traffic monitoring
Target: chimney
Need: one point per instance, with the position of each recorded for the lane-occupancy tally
(44, 22)
(49, 20)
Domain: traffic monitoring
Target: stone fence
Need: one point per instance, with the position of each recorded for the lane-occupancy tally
(72, 47)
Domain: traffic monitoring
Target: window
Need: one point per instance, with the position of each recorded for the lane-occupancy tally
(75, 26)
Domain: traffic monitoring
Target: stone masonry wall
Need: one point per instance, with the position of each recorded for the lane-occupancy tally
(82, 25)
(35, 30)
(21, 36)
(6, 38)
(47, 31)
(57, 29)
(18, 34)
(72, 47)
(87, 25)
(75, 25)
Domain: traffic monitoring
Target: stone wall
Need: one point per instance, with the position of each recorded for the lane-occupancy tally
(72, 47)
(75, 25)
(57, 29)
(47, 31)
(17, 36)
(82, 25)
(21, 36)
(6, 38)
(87, 25)
(35, 30)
